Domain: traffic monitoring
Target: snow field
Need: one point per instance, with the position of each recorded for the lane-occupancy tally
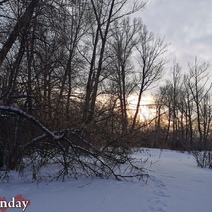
(175, 184)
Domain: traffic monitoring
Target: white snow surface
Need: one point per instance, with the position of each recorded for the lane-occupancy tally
(175, 184)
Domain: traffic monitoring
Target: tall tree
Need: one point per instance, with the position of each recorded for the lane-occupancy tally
(150, 51)
(123, 41)
(21, 26)
(199, 88)
(105, 13)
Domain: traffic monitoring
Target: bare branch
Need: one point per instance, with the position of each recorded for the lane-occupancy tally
(31, 118)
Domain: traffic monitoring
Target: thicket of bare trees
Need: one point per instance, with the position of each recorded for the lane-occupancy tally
(66, 71)
(184, 112)
(184, 107)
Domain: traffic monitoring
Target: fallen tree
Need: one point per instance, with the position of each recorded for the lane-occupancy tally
(30, 148)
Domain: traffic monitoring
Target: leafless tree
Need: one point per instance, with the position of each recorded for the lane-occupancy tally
(171, 97)
(123, 41)
(200, 88)
(105, 13)
(186, 98)
(150, 61)
(21, 26)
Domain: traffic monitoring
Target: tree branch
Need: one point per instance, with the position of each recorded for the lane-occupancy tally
(31, 118)
(21, 24)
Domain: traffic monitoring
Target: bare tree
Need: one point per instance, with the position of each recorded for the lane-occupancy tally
(122, 44)
(188, 111)
(170, 97)
(188, 107)
(199, 88)
(21, 26)
(105, 13)
(150, 50)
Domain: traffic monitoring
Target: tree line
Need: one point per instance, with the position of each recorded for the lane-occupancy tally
(184, 107)
(60, 60)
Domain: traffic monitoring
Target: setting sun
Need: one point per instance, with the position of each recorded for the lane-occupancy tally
(146, 111)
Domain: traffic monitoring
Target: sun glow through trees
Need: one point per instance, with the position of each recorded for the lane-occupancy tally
(147, 109)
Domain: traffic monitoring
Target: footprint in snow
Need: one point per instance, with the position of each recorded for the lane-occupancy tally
(157, 202)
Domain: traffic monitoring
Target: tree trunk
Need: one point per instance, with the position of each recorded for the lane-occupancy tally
(21, 26)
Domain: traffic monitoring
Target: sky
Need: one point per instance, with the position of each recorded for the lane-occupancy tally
(184, 24)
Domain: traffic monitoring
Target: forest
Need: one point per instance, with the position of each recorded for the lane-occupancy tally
(67, 70)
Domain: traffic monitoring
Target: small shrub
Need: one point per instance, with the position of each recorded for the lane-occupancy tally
(203, 158)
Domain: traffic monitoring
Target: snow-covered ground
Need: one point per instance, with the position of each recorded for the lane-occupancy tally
(175, 184)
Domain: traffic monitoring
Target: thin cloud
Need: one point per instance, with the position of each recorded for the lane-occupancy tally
(186, 24)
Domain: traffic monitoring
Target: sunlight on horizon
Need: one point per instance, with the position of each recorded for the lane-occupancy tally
(147, 110)
(147, 107)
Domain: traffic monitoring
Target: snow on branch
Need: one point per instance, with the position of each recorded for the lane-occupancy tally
(31, 118)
